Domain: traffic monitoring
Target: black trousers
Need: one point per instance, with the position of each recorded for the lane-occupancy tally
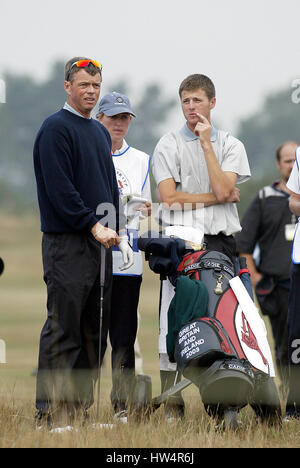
(222, 243)
(277, 310)
(69, 342)
(293, 401)
(122, 333)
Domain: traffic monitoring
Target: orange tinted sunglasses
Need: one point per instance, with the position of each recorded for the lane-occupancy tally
(85, 63)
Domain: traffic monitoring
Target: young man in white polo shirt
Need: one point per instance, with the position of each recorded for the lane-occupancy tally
(196, 170)
(132, 171)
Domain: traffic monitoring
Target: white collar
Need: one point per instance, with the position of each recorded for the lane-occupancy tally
(71, 109)
(125, 147)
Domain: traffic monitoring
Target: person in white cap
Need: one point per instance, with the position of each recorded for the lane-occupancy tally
(132, 172)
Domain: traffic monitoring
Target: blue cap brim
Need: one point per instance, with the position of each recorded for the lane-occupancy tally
(115, 111)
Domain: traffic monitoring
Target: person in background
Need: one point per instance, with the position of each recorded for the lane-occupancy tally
(132, 171)
(293, 322)
(75, 176)
(269, 225)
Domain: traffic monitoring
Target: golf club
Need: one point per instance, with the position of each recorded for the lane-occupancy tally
(102, 280)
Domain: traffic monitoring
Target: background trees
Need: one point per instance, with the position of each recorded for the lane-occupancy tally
(28, 103)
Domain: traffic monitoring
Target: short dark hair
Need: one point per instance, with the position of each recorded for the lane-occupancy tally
(196, 81)
(70, 71)
(280, 147)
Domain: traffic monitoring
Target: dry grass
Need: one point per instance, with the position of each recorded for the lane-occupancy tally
(23, 298)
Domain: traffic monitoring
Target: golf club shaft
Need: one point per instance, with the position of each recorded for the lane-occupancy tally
(102, 281)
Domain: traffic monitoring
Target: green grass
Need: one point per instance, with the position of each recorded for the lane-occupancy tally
(23, 312)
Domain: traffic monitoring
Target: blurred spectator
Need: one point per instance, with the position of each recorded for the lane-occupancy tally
(269, 225)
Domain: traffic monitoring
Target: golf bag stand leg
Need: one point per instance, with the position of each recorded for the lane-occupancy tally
(266, 402)
(175, 403)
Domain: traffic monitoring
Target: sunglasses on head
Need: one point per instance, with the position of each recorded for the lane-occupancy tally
(85, 63)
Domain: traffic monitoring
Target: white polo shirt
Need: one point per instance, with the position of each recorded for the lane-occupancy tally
(294, 185)
(179, 155)
(132, 172)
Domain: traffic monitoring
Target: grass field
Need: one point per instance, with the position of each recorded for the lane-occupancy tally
(22, 314)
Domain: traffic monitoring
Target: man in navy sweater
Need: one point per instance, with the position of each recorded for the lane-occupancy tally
(80, 210)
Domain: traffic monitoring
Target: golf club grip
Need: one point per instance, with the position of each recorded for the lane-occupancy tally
(102, 265)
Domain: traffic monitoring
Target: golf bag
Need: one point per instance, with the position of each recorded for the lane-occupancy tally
(216, 349)
(219, 351)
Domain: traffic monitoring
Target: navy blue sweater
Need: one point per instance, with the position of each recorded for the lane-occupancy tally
(74, 173)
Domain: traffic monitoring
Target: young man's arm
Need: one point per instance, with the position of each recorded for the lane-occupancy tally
(222, 183)
(169, 195)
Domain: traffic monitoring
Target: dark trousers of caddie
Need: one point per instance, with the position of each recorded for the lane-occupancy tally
(122, 333)
(69, 342)
(293, 401)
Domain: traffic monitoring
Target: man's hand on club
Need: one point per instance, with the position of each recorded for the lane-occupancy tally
(106, 236)
(126, 251)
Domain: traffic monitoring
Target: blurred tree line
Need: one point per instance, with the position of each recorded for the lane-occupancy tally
(276, 122)
(28, 103)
